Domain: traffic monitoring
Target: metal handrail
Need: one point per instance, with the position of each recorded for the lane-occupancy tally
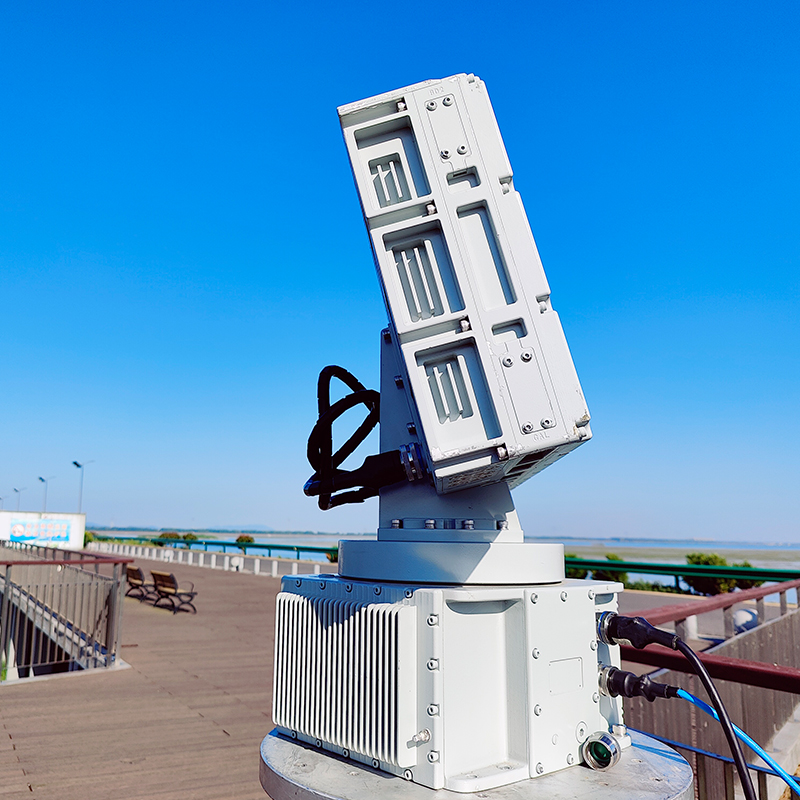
(684, 570)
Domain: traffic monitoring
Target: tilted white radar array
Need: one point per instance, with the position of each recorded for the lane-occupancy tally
(449, 650)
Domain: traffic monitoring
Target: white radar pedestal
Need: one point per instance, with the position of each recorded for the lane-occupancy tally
(648, 770)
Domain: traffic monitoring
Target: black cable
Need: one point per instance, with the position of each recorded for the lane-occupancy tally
(383, 469)
(637, 631)
(724, 719)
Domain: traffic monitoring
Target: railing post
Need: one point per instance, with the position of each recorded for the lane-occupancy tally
(784, 605)
(114, 614)
(274, 569)
(702, 783)
(5, 627)
(729, 786)
(760, 611)
(762, 786)
(730, 630)
(256, 565)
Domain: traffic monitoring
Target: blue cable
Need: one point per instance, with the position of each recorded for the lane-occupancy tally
(790, 781)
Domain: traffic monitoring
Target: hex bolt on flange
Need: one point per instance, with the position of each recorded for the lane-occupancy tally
(526, 355)
(548, 423)
(461, 149)
(507, 361)
(445, 154)
(431, 105)
(448, 101)
(527, 427)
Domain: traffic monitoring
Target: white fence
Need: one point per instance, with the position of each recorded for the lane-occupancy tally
(254, 565)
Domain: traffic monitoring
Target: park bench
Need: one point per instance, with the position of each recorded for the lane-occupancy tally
(166, 587)
(136, 584)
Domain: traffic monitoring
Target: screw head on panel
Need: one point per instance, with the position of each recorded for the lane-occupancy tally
(433, 664)
(433, 756)
(534, 597)
(593, 644)
(431, 105)
(526, 355)
(348, 587)
(375, 763)
(294, 734)
(433, 710)
(297, 583)
(535, 652)
(564, 596)
(408, 774)
(539, 768)
(445, 154)
(433, 620)
(548, 423)
(537, 709)
(377, 590)
(346, 753)
(570, 759)
(507, 361)
(447, 101)
(591, 594)
(461, 149)
(581, 732)
(409, 593)
(595, 698)
(322, 584)
(527, 427)
(318, 742)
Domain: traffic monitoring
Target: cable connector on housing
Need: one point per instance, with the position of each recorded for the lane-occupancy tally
(615, 682)
(636, 631)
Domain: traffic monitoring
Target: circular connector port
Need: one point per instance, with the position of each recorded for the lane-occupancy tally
(601, 751)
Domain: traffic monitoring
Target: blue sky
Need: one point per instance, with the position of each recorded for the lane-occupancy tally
(181, 249)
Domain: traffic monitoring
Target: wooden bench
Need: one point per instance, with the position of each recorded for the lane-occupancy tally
(136, 584)
(166, 587)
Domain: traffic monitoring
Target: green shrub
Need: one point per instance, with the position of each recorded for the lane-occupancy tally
(244, 538)
(575, 572)
(654, 586)
(189, 537)
(709, 586)
(88, 536)
(743, 583)
(167, 535)
(609, 575)
(333, 556)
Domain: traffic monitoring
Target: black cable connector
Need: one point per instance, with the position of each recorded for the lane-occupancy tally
(636, 631)
(615, 682)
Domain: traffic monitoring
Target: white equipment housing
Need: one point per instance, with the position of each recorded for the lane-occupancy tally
(450, 651)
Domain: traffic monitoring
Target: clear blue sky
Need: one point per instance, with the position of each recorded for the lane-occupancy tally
(181, 249)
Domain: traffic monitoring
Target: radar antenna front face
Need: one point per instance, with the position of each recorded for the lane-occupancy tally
(493, 392)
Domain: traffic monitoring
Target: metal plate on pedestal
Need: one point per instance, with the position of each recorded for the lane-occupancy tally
(648, 770)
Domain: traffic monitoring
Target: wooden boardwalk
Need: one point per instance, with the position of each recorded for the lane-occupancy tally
(185, 721)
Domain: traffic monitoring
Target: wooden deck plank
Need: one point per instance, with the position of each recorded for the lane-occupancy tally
(186, 720)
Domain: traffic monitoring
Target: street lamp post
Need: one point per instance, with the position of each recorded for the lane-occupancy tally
(1, 502)
(80, 491)
(44, 499)
(19, 492)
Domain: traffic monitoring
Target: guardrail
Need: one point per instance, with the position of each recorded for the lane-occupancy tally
(243, 547)
(57, 612)
(684, 570)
